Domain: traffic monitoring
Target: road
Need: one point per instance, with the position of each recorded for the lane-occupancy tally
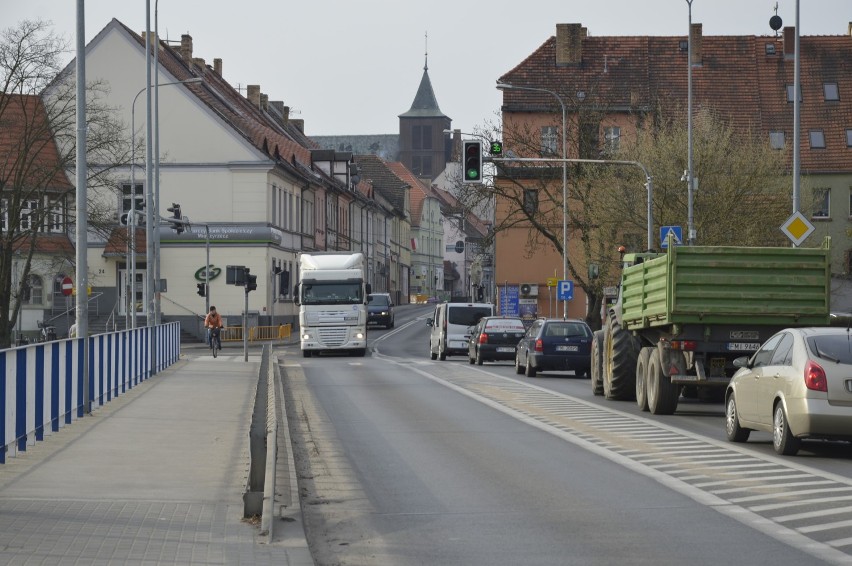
(403, 460)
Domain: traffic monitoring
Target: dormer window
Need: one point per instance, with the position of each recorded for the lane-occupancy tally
(831, 92)
(817, 138)
(770, 49)
(777, 140)
(791, 95)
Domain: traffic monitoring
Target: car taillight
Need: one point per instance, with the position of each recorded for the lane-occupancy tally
(483, 338)
(815, 377)
(684, 345)
(539, 345)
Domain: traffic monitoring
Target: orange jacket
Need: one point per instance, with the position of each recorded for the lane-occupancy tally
(213, 320)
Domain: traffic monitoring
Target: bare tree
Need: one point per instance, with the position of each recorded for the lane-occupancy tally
(37, 160)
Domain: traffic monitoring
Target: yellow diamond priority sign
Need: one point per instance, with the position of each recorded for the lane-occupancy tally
(797, 228)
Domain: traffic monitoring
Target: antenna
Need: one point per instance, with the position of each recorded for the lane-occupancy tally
(426, 55)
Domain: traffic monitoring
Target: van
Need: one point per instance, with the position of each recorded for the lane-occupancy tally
(451, 326)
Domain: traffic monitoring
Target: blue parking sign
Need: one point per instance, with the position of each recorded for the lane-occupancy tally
(566, 290)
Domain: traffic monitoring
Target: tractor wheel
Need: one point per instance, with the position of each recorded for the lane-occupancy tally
(621, 350)
(597, 362)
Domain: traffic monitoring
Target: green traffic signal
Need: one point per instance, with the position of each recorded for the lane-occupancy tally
(496, 148)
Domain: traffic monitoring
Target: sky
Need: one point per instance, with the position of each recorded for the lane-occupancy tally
(350, 67)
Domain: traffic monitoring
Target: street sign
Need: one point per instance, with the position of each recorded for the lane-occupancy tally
(552, 281)
(676, 233)
(566, 290)
(797, 228)
(67, 286)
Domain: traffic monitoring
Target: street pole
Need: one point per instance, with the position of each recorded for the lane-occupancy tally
(797, 94)
(82, 227)
(507, 86)
(149, 188)
(690, 191)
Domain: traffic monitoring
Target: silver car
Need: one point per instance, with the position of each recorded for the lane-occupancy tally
(797, 385)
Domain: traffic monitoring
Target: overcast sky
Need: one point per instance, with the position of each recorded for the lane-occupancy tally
(352, 66)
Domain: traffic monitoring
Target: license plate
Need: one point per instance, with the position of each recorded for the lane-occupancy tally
(505, 349)
(717, 367)
(743, 346)
(458, 344)
(567, 348)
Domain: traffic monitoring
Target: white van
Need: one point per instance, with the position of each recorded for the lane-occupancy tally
(451, 325)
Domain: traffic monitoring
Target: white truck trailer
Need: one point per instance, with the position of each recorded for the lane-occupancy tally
(332, 298)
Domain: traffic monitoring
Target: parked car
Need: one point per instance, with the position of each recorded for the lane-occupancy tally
(555, 344)
(380, 309)
(798, 385)
(495, 338)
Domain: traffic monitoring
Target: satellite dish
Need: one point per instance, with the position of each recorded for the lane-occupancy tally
(775, 22)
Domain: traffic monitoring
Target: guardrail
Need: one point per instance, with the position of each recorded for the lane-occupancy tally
(256, 333)
(41, 385)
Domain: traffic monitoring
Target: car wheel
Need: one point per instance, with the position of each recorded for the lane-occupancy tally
(641, 376)
(733, 430)
(479, 357)
(519, 369)
(470, 360)
(529, 370)
(597, 362)
(783, 440)
(442, 354)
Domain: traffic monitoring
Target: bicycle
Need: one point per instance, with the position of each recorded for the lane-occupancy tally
(215, 341)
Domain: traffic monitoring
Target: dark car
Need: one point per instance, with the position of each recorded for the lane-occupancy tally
(555, 344)
(494, 338)
(380, 310)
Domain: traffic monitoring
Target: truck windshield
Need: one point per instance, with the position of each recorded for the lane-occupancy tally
(338, 293)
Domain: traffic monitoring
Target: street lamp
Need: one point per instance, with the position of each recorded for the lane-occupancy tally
(506, 86)
(690, 191)
(131, 217)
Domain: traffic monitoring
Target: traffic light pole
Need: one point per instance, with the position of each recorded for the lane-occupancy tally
(245, 323)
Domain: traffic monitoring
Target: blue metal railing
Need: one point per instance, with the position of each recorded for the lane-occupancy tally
(41, 385)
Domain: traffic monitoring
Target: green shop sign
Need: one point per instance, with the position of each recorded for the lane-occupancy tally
(212, 273)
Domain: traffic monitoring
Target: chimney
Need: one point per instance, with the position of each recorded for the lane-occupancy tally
(264, 101)
(789, 42)
(695, 36)
(253, 94)
(186, 47)
(199, 62)
(569, 43)
(300, 125)
(455, 153)
(217, 66)
(281, 111)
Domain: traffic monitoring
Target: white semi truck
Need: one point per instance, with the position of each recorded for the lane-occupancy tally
(332, 298)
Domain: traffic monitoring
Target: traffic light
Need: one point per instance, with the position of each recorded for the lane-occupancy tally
(496, 148)
(176, 214)
(251, 281)
(480, 293)
(202, 289)
(472, 156)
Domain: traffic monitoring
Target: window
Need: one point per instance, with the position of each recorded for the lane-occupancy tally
(29, 212)
(790, 93)
(4, 216)
(777, 140)
(770, 49)
(34, 293)
(612, 137)
(822, 202)
(549, 144)
(764, 355)
(831, 92)
(421, 165)
(56, 217)
(783, 355)
(137, 194)
(817, 138)
(849, 137)
(421, 137)
(530, 201)
(589, 140)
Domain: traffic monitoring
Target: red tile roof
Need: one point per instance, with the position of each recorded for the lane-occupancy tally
(736, 77)
(419, 190)
(118, 239)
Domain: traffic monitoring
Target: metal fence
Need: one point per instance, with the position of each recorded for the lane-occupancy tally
(256, 333)
(41, 385)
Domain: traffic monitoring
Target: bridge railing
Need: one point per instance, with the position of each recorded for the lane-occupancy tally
(41, 385)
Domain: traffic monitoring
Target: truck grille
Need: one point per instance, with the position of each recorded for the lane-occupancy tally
(332, 337)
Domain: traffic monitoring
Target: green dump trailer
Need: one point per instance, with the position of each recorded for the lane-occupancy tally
(682, 317)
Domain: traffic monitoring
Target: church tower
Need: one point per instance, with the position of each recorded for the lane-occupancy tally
(423, 147)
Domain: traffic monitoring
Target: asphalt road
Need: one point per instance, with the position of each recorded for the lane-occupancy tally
(404, 460)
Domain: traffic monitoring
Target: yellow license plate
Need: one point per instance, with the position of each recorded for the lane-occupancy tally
(717, 367)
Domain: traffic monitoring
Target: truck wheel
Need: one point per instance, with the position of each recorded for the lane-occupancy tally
(733, 430)
(361, 352)
(306, 353)
(597, 362)
(619, 362)
(433, 356)
(662, 394)
(642, 377)
(442, 353)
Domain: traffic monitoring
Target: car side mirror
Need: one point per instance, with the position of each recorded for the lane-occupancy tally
(741, 362)
(430, 321)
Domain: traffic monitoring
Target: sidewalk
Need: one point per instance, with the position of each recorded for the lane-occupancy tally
(155, 476)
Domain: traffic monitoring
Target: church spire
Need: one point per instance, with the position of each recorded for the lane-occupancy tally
(425, 105)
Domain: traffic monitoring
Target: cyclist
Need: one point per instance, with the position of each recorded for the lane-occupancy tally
(213, 324)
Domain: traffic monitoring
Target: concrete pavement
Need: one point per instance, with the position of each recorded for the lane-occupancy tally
(155, 476)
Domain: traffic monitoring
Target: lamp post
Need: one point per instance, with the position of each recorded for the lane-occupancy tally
(690, 191)
(131, 217)
(506, 86)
